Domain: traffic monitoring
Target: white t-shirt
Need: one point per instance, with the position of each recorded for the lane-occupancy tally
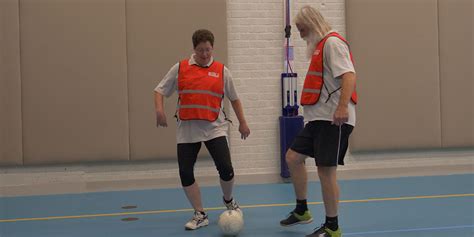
(191, 131)
(336, 62)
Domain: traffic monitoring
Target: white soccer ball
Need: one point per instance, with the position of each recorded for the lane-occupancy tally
(231, 222)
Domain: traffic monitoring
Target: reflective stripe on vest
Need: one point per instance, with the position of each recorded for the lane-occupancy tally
(201, 90)
(198, 107)
(314, 73)
(315, 91)
(314, 80)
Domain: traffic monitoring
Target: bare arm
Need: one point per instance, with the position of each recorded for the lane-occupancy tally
(239, 112)
(341, 115)
(160, 112)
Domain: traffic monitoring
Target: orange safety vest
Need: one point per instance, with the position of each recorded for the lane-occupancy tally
(201, 91)
(314, 80)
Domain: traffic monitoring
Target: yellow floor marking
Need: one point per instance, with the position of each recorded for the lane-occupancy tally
(221, 208)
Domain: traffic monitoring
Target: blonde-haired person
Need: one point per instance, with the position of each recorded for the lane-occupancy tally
(202, 83)
(329, 100)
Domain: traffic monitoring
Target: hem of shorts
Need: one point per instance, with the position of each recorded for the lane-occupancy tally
(302, 153)
(329, 165)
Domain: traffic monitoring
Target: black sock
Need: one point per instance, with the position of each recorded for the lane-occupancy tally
(301, 207)
(331, 223)
(228, 201)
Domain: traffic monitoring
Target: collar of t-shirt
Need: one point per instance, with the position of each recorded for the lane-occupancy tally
(329, 32)
(192, 61)
(319, 39)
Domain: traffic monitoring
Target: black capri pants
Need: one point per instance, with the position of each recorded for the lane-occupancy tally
(219, 150)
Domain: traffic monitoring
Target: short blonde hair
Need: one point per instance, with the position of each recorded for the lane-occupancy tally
(314, 20)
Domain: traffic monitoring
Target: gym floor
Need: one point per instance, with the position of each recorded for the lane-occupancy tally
(428, 206)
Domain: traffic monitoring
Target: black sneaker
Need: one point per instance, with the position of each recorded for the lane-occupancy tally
(323, 231)
(294, 219)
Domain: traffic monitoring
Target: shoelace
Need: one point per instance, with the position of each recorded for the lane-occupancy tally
(321, 227)
(233, 205)
(292, 213)
(197, 217)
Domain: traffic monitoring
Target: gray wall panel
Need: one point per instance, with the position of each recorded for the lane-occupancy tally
(154, 46)
(457, 78)
(10, 85)
(75, 104)
(395, 44)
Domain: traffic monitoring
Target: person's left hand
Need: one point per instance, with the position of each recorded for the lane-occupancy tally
(341, 116)
(244, 130)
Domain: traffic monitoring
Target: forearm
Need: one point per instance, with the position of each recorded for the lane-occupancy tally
(158, 102)
(239, 112)
(347, 88)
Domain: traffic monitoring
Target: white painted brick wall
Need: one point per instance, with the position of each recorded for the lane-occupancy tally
(256, 38)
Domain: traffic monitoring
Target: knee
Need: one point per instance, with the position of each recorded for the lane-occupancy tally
(226, 173)
(292, 158)
(322, 175)
(326, 173)
(187, 177)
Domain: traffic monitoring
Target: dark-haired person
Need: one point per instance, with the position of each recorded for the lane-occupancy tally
(202, 83)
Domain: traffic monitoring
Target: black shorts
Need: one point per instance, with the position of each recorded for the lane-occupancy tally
(325, 142)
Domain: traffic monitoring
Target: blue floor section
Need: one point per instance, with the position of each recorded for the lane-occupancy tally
(429, 206)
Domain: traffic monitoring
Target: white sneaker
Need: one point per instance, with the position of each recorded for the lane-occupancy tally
(199, 220)
(233, 206)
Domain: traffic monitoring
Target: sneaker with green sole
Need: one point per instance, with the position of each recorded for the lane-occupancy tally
(323, 231)
(294, 219)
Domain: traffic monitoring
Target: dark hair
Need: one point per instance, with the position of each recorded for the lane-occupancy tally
(202, 36)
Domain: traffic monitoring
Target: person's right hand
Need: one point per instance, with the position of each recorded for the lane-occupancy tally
(161, 119)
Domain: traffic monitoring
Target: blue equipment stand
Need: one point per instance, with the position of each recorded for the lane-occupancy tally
(290, 122)
(289, 128)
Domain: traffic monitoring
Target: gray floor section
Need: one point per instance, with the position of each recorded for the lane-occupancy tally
(81, 178)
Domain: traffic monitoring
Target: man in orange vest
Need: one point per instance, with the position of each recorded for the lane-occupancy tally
(202, 84)
(329, 100)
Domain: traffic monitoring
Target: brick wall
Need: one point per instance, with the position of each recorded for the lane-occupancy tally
(256, 38)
